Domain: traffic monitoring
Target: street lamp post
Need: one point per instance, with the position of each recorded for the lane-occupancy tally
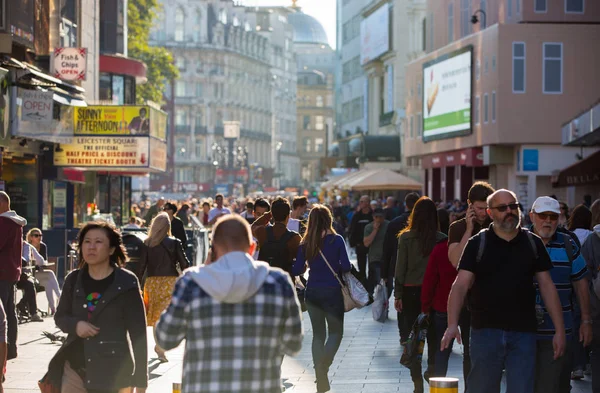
(475, 19)
(279, 171)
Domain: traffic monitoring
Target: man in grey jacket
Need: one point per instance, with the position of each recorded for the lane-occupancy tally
(591, 253)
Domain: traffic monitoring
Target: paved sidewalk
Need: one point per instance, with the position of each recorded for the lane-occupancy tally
(366, 362)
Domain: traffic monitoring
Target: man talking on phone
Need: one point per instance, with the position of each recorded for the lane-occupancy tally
(460, 232)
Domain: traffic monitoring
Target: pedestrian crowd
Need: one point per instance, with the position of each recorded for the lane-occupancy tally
(520, 290)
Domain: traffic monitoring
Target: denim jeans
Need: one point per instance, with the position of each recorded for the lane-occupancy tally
(441, 357)
(495, 349)
(7, 296)
(579, 353)
(326, 311)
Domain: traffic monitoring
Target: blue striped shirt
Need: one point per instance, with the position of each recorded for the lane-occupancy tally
(564, 273)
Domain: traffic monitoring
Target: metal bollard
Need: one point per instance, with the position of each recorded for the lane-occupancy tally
(443, 385)
(176, 387)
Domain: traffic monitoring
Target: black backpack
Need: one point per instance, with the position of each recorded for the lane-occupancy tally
(274, 251)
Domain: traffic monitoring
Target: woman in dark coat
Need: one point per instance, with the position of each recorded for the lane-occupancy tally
(100, 307)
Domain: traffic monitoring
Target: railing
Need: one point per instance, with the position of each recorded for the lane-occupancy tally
(581, 126)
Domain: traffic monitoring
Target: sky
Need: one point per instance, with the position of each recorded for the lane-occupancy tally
(322, 10)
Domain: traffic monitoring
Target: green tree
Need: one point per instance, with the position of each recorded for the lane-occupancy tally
(140, 16)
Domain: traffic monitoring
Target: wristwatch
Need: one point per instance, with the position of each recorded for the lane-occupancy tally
(587, 321)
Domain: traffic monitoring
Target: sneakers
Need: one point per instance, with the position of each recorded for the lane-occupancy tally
(577, 375)
(36, 318)
(588, 369)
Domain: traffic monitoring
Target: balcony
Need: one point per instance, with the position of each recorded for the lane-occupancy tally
(584, 130)
(183, 129)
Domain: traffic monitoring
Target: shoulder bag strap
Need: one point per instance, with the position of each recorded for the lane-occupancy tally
(330, 268)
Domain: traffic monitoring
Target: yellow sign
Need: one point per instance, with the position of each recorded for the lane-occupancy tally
(112, 120)
(107, 152)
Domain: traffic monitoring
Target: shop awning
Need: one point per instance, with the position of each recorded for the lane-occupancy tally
(373, 180)
(385, 179)
(33, 78)
(584, 172)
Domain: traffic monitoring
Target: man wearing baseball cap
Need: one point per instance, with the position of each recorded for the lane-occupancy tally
(569, 272)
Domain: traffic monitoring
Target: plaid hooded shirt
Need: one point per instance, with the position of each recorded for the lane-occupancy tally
(239, 317)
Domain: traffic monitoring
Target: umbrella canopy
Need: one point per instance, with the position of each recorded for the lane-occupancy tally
(384, 179)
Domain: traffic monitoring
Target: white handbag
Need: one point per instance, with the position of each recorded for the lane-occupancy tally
(355, 294)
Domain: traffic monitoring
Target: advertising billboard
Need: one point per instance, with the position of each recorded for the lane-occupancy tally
(447, 95)
(112, 120)
(375, 34)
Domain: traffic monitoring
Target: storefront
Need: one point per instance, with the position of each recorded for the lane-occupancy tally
(449, 175)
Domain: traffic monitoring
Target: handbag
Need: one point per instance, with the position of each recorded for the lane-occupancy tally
(176, 262)
(354, 293)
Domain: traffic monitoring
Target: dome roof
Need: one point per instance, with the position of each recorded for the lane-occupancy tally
(307, 29)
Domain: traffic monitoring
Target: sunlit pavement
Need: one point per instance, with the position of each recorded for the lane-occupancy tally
(367, 361)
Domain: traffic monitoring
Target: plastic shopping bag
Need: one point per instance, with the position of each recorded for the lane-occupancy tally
(379, 308)
(413, 349)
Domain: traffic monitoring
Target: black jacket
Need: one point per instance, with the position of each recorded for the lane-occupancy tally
(178, 231)
(357, 228)
(390, 244)
(160, 260)
(109, 364)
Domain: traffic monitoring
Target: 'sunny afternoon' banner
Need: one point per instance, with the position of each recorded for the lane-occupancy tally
(112, 120)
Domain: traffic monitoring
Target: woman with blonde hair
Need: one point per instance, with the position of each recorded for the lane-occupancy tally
(163, 260)
(39, 256)
(323, 250)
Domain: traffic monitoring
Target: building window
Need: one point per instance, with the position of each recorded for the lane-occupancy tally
(431, 31)
(552, 72)
(465, 17)
(199, 119)
(319, 125)
(476, 114)
(198, 89)
(412, 135)
(477, 69)
(180, 89)
(307, 145)
(179, 24)
(319, 145)
(319, 101)
(486, 65)
(198, 26)
(494, 63)
(518, 74)
(540, 6)
(509, 9)
(518, 7)
(180, 63)
(305, 122)
(483, 7)
(180, 117)
(180, 149)
(574, 6)
(493, 107)
(419, 125)
(198, 149)
(419, 90)
(451, 22)
(485, 108)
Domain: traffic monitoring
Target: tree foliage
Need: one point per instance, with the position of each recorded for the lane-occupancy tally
(140, 16)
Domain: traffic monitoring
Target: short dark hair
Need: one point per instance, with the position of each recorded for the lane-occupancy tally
(170, 206)
(299, 201)
(119, 257)
(185, 206)
(480, 191)
(280, 209)
(260, 202)
(205, 204)
(219, 196)
(410, 199)
(249, 205)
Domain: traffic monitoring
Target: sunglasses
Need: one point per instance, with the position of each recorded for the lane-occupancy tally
(544, 216)
(36, 235)
(503, 208)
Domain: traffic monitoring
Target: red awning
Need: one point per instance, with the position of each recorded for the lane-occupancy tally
(581, 173)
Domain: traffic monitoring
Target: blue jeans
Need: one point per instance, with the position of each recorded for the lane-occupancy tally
(326, 311)
(495, 349)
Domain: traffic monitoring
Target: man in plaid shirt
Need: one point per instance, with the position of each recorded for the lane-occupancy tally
(237, 315)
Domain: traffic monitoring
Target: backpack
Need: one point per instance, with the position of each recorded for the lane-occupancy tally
(274, 251)
(566, 240)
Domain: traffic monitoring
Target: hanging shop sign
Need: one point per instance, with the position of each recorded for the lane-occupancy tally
(69, 64)
(120, 120)
(37, 105)
(117, 153)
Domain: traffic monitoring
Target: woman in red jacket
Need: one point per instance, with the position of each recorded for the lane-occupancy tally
(439, 276)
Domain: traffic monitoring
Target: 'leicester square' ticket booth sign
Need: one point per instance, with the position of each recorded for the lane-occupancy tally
(114, 153)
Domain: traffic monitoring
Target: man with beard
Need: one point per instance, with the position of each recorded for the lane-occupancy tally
(497, 270)
(569, 272)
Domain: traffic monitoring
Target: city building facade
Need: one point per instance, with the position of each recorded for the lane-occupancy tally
(489, 99)
(315, 95)
(226, 74)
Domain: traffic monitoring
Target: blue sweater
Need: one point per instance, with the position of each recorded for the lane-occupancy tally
(334, 249)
